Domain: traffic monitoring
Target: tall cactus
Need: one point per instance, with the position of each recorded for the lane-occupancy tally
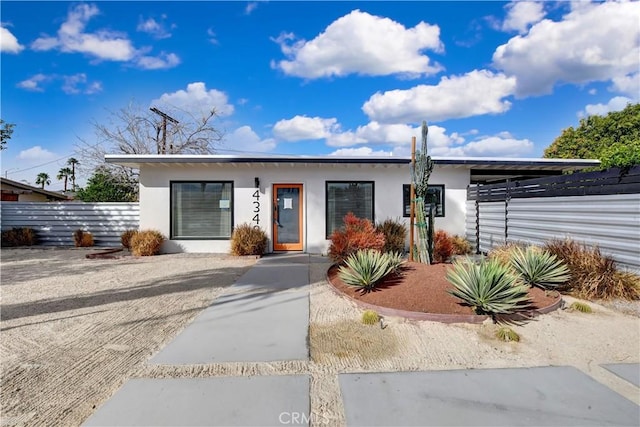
(420, 174)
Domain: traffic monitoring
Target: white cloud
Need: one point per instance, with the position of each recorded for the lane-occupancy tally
(501, 145)
(498, 146)
(9, 42)
(154, 28)
(251, 6)
(106, 45)
(593, 42)
(473, 94)
(374, 133)
(360, 151)
(212, 36)
(34, 83)
(244, 139)
(522, 14)
(302, 128)
(35, 155)
(617, 103)
(162, 61)
(360, 43)
(197, 100)
(628, 85)
(78, 83)
(71, 84)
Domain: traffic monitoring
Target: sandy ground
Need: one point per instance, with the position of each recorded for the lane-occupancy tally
(73, 330)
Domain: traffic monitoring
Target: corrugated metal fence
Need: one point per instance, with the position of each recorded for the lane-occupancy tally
(609, 221)
(55, 223)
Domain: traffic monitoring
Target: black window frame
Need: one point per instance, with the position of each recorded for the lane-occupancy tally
(326, 201)
(232, 207)
(406, 195)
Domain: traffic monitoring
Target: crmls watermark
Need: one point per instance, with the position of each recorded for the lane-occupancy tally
(301, 418)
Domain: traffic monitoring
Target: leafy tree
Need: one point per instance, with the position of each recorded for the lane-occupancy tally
(6, 130)
(72, 162)
(43, 179)
(106, 185)
(64, 173)
(614, 139)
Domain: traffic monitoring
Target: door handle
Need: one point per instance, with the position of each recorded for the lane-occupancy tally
(276, 213)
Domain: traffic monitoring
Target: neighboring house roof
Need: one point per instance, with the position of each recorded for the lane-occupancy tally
(22, 188)
(482, 168)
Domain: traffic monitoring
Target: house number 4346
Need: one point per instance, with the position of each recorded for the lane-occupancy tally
(256, 209)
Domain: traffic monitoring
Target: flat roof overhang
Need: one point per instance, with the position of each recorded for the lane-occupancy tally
(137, 160)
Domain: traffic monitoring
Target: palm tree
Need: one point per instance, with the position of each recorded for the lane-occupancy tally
(64, 173)
(43, 179)
(73, 162)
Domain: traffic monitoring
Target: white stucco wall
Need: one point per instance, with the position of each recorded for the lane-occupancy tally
(155, 207)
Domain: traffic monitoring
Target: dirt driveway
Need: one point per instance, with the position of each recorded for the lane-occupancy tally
(74, 329)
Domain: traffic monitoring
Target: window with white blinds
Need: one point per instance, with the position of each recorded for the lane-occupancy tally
(201, 210)
(344, 197)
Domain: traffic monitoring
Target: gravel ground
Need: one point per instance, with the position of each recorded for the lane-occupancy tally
(74, 330)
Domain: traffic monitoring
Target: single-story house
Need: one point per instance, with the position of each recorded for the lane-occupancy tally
(196, 200)
(14, 191)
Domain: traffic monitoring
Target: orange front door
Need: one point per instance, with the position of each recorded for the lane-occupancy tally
(287, 217)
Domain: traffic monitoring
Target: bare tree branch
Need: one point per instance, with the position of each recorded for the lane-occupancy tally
(137, 130)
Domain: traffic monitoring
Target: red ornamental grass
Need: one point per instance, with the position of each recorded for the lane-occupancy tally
(357, 233)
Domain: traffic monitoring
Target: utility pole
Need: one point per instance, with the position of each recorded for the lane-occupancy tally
(165, 117)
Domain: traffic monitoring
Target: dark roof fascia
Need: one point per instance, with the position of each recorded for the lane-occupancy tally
(23, 186)
(328, 160)
(356, 160)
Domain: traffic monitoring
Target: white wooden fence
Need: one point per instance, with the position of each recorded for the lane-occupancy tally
(55, 223)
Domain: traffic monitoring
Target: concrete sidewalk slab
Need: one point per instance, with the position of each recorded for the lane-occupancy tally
(244, 327)
(546, 396)
(227, 401)
(273, 276)
(627, 371)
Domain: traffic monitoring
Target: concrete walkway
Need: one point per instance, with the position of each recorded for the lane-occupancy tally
(264, 317)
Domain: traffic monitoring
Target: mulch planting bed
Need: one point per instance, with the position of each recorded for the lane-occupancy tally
(422, 288)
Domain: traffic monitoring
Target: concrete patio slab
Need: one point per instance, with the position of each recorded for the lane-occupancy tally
(228, 401)
(244, 327)
(546, 396)
(627, 371)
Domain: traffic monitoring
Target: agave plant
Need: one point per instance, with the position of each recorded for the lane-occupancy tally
(365, 268)
(539, 267)
(489, 287)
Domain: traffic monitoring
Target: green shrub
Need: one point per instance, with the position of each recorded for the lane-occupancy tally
(356, 234)
(581, 307)
(594, 276)
(82, 239)
(489, 287)
(147, 242)
(24, 236)
(461, 246)
(395, 235)
(125, 238)
(370, 317)
(365, 268)
(248, 240)
(507, 334)
(539, 267)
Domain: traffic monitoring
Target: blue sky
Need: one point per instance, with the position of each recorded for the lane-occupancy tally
(323, 78)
